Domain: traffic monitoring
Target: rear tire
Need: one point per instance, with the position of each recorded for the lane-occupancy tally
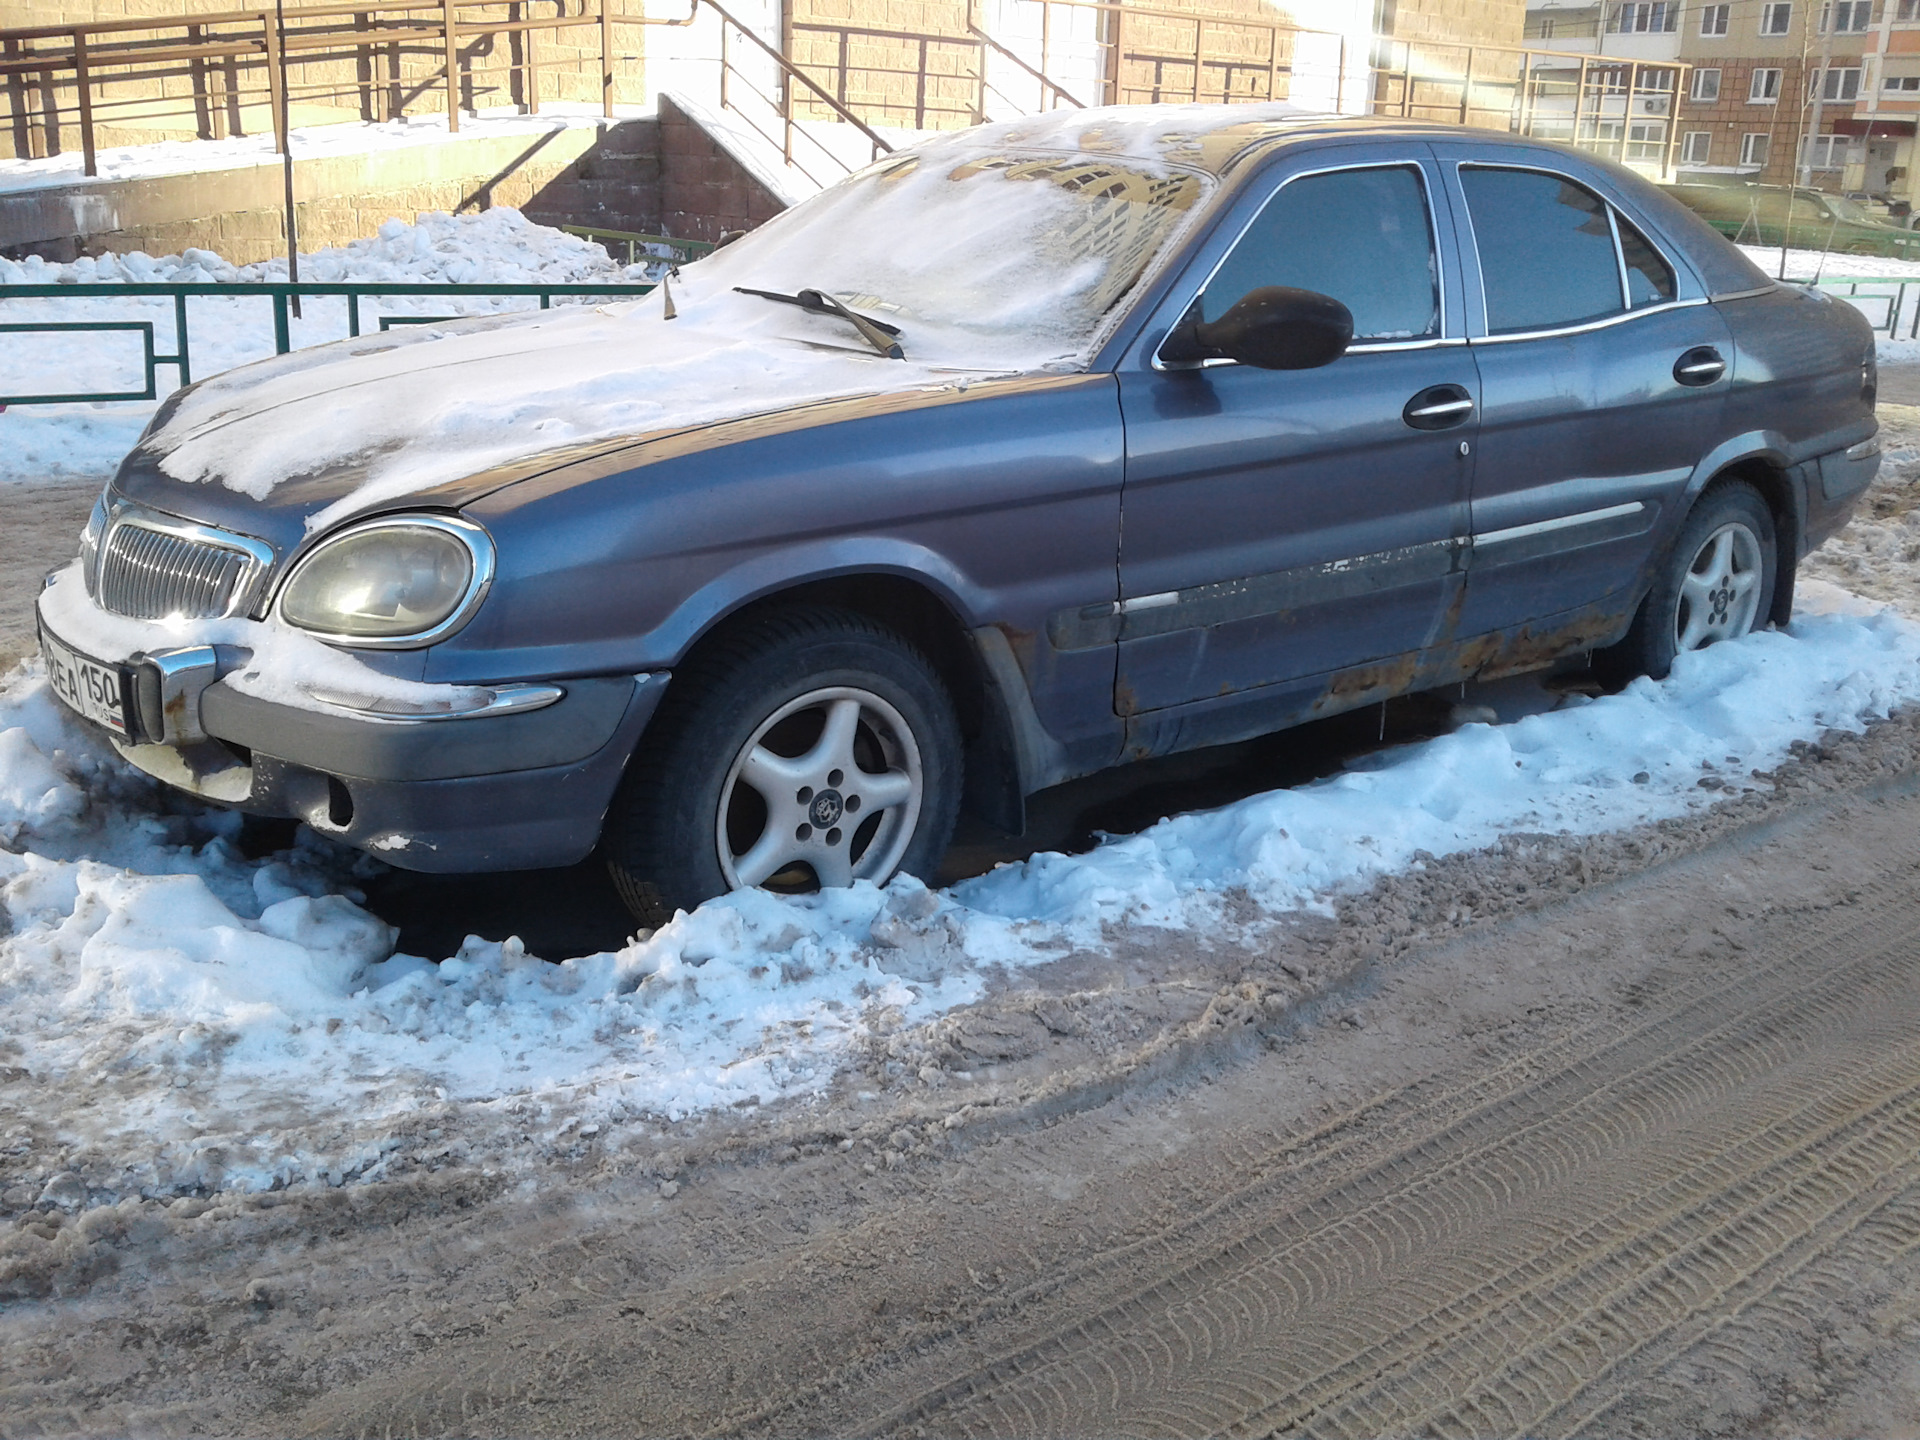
(807, 749)
(1716, 584)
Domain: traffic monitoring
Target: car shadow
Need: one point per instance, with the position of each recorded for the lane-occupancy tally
(574, 911)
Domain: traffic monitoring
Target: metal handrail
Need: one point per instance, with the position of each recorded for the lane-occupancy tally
(1058, 92)
(787, 67)
(280, 292)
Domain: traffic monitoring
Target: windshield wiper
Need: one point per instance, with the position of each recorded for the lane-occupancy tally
(876, 333)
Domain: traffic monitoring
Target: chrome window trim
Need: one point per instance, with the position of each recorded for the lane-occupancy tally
(1619, 257)
(259, 555)
(1585, 326)
(479, 546)
(1373, 348)
(1433, 232)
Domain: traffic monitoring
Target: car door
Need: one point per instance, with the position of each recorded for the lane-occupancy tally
(1283, 524)
(1603, 374)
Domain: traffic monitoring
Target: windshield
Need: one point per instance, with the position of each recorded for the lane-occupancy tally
(1002, 260)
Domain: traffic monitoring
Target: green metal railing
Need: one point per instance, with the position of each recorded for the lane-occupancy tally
(684, 251)
(279, 293)
(1890, 290)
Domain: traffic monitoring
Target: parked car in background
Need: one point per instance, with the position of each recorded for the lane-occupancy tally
(1025, 452)
(1801, 218)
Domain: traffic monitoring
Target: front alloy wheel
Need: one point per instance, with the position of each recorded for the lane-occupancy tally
(827, 791)
(797, 751)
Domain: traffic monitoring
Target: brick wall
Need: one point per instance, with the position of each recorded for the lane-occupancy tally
(703, 189)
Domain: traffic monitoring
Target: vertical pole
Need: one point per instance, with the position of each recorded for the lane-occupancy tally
(1116, 51)
(83, 82)
(1048, 100)
(920, 89)
(284, 122)
(1199, 54)
(1626, 109)
(606, 58)
(363, 72)
(1406, 82)
(276, 82)
(1340, 83)
(1580, 100)
(1466, 86)
(1680, 75)
(282, 338)
(450, 34)
(980, 84)
(533, 68)
(785, 81)
(724, 64)
(180, 337)
(353, 313)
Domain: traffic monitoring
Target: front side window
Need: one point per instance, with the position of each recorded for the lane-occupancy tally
(1706, 85)
(1764, 87)
(1546, 247)
(1713, 19)
(1696, 147)
(1754, 147)
(1362, 236)
(1777, 18)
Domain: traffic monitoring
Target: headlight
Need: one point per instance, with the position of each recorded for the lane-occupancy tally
(90, 541)
(401, 582)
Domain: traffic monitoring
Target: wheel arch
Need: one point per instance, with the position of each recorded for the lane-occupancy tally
(913, 609)
(1760, 461)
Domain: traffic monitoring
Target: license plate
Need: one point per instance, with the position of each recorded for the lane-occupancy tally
(97, 691)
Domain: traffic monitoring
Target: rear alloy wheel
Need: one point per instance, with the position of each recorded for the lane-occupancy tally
(1717, 585)
(804, 751)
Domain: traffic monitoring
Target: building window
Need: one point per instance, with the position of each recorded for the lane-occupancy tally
(1906, 84)
(1825, 152)
(1776, 18)
(1713, 18)
(1706, 85)
(1753, 148)
(1764, 87)
(1644, 17)
(1646, 140)
(1909, 10)
(1846, 17)
(1696, 146)
(1835, 83)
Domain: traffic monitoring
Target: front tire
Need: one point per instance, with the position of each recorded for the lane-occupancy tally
(804, 751)
(1716, 584)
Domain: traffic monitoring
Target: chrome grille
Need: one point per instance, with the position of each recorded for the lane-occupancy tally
(152, 569)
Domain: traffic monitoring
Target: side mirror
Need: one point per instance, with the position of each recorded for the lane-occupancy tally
(1273, 328)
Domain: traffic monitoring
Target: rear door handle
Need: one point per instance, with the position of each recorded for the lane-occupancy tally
(1701, 365)
(1438, 407)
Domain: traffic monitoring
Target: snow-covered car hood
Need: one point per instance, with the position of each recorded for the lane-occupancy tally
(348, 427)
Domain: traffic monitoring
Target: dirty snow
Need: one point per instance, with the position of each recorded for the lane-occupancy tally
(240, 1023)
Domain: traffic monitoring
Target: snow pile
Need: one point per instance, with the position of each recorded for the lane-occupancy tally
(243, 1023)
(55, 441)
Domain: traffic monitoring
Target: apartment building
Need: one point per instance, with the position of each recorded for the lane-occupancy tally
(1814, 92)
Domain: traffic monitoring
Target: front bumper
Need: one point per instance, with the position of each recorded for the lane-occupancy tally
(496, 788)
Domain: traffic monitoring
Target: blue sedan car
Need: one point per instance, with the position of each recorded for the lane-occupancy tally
(1031, 450)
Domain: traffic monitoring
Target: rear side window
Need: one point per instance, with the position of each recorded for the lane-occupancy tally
(1649, 277)
(1546, 250)
(1362, 236)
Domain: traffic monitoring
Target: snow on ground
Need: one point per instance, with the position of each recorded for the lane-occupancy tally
(42, 442)
(243, 1023)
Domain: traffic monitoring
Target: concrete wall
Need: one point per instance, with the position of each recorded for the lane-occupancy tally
(573, 175)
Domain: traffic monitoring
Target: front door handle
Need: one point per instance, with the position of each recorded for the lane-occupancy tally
(1438, 407)
(1701, 365)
